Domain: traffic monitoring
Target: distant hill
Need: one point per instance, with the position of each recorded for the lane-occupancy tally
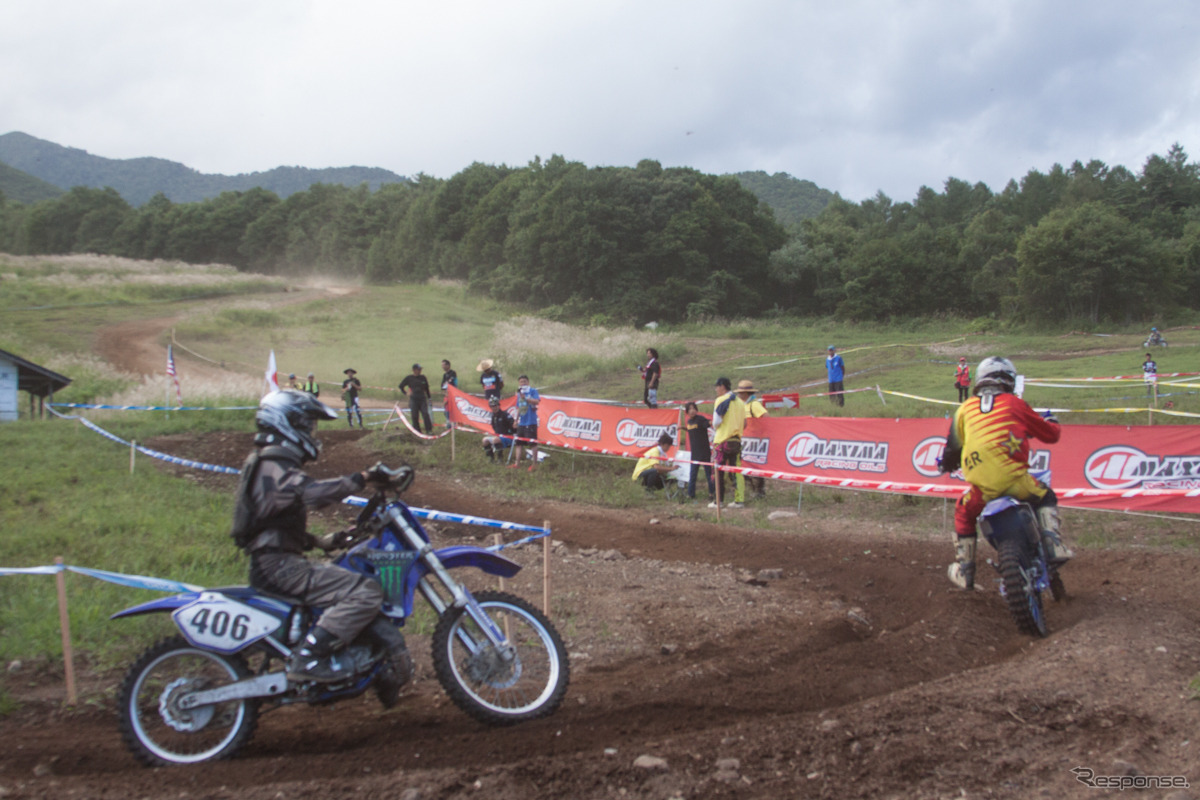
(792, 199)
(139, 179)
(23, 187)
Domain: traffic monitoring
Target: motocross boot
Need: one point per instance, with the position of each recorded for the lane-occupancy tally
(316, 660)
(1052, 543)
(398, 670)
(962, 571)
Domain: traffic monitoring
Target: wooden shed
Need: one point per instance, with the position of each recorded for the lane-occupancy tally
(19, 375)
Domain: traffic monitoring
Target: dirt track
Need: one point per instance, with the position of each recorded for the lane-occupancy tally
(856, 673)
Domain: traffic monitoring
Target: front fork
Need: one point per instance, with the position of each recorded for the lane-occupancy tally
(460, 596)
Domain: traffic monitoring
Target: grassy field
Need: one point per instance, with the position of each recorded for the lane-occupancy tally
(68, 491)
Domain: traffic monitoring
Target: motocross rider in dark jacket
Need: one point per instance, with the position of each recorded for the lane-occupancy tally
(270, 523)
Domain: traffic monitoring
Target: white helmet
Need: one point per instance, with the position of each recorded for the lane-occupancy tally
(995, 375)
(289, 415)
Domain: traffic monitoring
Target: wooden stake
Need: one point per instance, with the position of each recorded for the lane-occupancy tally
(546, 570)
(132, 454)
(498, 539)
(451, 424)
(64, 624)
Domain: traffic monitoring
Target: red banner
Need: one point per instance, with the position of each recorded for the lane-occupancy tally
(1154, 467)
(577, 424)
(1095, 466)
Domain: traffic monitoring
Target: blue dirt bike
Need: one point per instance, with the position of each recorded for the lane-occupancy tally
(1011, 526)
(197, 696)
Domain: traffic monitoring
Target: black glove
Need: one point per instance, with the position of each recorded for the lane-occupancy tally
(379, 475)
(334, 541)
(399, 479)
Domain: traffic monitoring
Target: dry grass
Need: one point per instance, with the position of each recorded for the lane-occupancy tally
(86, 269)
(523, 338)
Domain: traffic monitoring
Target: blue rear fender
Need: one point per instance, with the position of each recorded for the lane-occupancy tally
(159, 606)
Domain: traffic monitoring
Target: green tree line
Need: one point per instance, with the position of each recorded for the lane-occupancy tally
(1086, 242)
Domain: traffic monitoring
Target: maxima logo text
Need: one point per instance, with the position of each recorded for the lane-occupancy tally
(630, 432)
(755, 451)
(807, 448)
(473, 412)
(1124, 467)
(562, 424)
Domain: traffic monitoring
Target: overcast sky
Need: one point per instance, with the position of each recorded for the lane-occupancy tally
(855, 96)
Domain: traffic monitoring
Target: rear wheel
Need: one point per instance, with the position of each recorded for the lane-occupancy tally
(158, 730)
(1023, 599)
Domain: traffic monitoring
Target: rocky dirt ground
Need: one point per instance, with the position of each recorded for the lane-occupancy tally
(817, 659)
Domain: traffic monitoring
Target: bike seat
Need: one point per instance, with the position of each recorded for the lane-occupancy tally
(242, 592)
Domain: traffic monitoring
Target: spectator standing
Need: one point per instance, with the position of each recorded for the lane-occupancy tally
(836, 370)
(650, 377)
(416, 386)
(350, 391)
(701, 450)
(504, 430)
(729, 417)
(654, 466)
(292, 382)
(754, 409)
(310, 385)
(449, 378)
(491, 380)
(527, 421)
(1150, 375)
(962, 379)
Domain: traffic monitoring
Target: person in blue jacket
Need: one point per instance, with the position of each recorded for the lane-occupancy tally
(836, 368)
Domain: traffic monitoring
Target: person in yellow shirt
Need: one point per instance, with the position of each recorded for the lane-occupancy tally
(729, 417)
(754, 410)
(654, 465)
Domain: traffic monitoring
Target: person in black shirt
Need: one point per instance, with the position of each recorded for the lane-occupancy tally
(650, 375)
(350, 389)
(416, 386)
(697, 431)
(502, 424)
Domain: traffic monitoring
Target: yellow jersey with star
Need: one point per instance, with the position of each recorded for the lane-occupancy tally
(993, 431)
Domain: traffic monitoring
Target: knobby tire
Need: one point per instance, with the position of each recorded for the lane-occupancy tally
(152, 732)
(1025, 606)
(531, 687)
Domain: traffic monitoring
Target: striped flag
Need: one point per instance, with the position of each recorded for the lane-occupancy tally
(174, 375)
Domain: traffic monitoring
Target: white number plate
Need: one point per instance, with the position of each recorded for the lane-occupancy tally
(220, 623)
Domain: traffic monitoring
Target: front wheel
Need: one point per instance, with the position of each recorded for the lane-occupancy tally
(1023, 598)
(158, 730)
(522, 680)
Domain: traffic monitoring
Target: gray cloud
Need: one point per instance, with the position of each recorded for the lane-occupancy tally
(858, 96)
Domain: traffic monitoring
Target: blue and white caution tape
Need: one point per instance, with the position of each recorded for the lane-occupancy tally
(151, 408)
(446, 516)
(134, 581)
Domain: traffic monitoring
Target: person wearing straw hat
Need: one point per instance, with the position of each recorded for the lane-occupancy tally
(490, 379)
(350, 389)
(754, 409)
(962, 379)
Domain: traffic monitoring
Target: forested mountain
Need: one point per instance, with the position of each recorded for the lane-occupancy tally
(1083, 244)
(793, 200)
(139, 179)
(23, 187)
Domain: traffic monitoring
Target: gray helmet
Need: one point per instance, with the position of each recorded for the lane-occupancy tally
(995, 375)
(290, 414)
